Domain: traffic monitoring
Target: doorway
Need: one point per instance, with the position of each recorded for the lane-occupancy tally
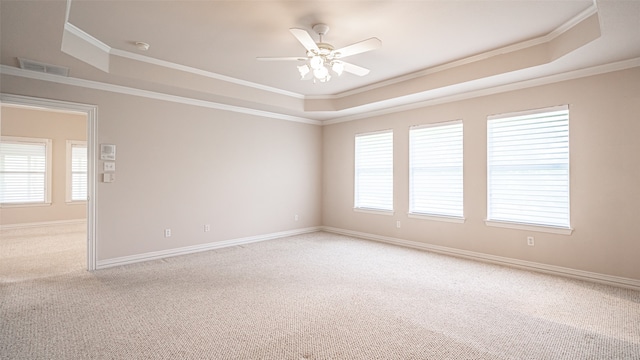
(62, 229)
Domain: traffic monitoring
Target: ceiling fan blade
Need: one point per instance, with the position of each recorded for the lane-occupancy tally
(288, 58)
(355, 69)
(359, 47)
(305, 39)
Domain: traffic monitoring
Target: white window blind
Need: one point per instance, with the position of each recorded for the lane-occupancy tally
(528, 167)
(435, 170)
(77, 171)
(24, 170)
(374, 171)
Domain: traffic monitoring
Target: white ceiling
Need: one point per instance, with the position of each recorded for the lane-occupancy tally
(225, 37)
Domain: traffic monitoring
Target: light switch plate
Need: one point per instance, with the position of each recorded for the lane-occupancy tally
(109, 166)
(108, 177)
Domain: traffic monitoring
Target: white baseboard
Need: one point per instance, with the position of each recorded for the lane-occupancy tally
(522, 264)
(124, 260)
(42, 224)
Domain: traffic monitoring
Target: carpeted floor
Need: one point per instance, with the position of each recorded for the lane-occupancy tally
(42, 251)
(316, 296)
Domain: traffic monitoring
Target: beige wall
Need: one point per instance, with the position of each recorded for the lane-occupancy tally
(59, 127)
(605, 176)
(181, 167)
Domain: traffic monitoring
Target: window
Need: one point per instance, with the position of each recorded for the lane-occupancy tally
(435, 170)
(76, 171)
(374, 171)
(528, 167)
(25, 170)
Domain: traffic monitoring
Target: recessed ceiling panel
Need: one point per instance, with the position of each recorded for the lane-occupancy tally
(225, 37)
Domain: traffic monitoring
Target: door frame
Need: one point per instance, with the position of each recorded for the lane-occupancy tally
(91, 112)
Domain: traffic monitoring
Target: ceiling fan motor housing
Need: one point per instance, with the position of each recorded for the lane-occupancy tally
(321, 29)
(323, 58)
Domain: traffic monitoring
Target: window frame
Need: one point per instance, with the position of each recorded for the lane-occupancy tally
(48, 168)
(356, 201)
(69, 170)
(438, 214)
(524, 225)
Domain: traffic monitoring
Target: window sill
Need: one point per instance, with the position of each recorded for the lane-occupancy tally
(451, 219)
(76, 202)
(374, 211)
(530, 227)
(6, 206)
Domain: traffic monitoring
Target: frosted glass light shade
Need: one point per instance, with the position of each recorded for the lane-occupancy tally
(316, 62)
(304, 70)
(321, 73)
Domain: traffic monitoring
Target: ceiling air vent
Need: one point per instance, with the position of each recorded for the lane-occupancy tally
(42, 67)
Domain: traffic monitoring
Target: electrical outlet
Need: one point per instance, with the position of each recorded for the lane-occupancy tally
(167, 233)
(398, 224)
(295, 217)
(530, 241)
(207, 228)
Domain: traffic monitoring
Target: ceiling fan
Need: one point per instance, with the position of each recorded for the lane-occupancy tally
(323, 59)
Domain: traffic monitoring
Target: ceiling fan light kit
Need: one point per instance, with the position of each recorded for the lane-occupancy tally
(322, 60)
(319, 64)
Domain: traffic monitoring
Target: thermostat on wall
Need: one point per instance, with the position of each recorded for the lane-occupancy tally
(107, 152)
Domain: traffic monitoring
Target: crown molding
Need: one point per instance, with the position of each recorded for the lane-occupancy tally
(86, 37)
(196, 71)
(591, 10)
(90, 84)
(67, 11)
(91, 40)
(558, 31)
(390, 109)
(576, 74)
(96, 43)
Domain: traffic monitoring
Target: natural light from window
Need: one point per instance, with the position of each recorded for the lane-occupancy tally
(374, 171)
(435, 170)
(25, 175)
(528, 167)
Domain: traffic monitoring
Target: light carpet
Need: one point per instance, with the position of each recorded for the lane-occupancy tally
(36, 252)
(316, 296)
